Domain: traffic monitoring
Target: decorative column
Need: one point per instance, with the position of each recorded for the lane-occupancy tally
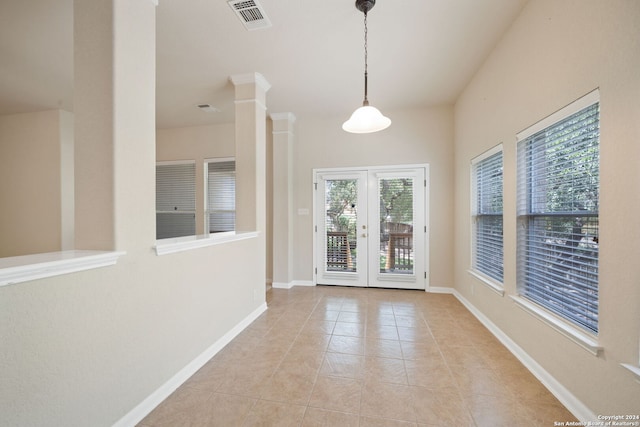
(251, 128)
(114, 108)
(283, 139)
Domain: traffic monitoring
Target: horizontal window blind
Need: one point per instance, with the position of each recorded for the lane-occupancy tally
(558, 197)
(488, 241)
(170, 224)
(175, 200)
(221, 196)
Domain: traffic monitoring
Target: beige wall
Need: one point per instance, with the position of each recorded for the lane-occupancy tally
(84, 349)
(415, 137)
(67, 183)
(35, 193)
(196, 142)
(554, 53)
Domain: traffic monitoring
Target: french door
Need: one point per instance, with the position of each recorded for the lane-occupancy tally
(370, 227)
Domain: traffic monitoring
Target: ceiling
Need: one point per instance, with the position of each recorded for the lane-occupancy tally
(421, 53)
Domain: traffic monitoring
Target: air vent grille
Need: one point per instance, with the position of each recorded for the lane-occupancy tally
(250, 13)
(244, 4)
(208, 108)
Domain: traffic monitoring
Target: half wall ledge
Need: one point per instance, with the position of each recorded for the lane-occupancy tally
(635, 370)
(187, 243)
(39, 266)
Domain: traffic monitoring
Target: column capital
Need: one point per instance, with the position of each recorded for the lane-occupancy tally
(282, 122)
(283, 116)
(250, 78)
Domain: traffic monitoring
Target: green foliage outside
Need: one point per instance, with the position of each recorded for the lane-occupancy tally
(571, 151)
(341, 200)
(396, 203)
(396, 200)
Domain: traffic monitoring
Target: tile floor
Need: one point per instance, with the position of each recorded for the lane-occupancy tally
(333, 356)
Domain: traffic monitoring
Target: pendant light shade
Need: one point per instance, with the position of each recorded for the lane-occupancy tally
(366, 119)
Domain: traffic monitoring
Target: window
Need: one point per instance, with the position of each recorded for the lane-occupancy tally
(486, 176)
(221, 195)
(558, 196)
(175, 199)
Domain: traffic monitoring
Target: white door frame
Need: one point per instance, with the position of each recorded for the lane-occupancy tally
(380, 169)
(358, 278)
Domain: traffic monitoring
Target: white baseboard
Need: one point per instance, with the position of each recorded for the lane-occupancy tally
(138, 413)
(302, 283)
(282, 285)
(571, 402)
(440, 290)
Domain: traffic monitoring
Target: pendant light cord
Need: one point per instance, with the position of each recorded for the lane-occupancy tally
(366, 119)
(366, 74)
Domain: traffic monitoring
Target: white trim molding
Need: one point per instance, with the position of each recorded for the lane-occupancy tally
(187, 243)
(302, 283)
(635, 370)
(252, 101)
(571, 402)
(282, 285)
(487, 281)
(440, 290)
(575, 106)
(39, 266)
(145, 407)
(248, 78)
(290, 117)
(582, 339)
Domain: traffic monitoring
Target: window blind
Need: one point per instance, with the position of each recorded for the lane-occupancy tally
(558, 197)
(487, 240)
(175, 200)
(221, 196)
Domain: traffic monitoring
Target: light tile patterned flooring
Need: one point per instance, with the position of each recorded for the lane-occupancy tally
(333, 356)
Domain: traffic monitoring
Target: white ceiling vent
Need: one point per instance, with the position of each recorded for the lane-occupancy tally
(251, 13)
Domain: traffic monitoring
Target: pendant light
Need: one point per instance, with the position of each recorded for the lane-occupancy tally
(367, 118)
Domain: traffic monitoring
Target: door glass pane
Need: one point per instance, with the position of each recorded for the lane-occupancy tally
(341, 199)
(396, 225)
